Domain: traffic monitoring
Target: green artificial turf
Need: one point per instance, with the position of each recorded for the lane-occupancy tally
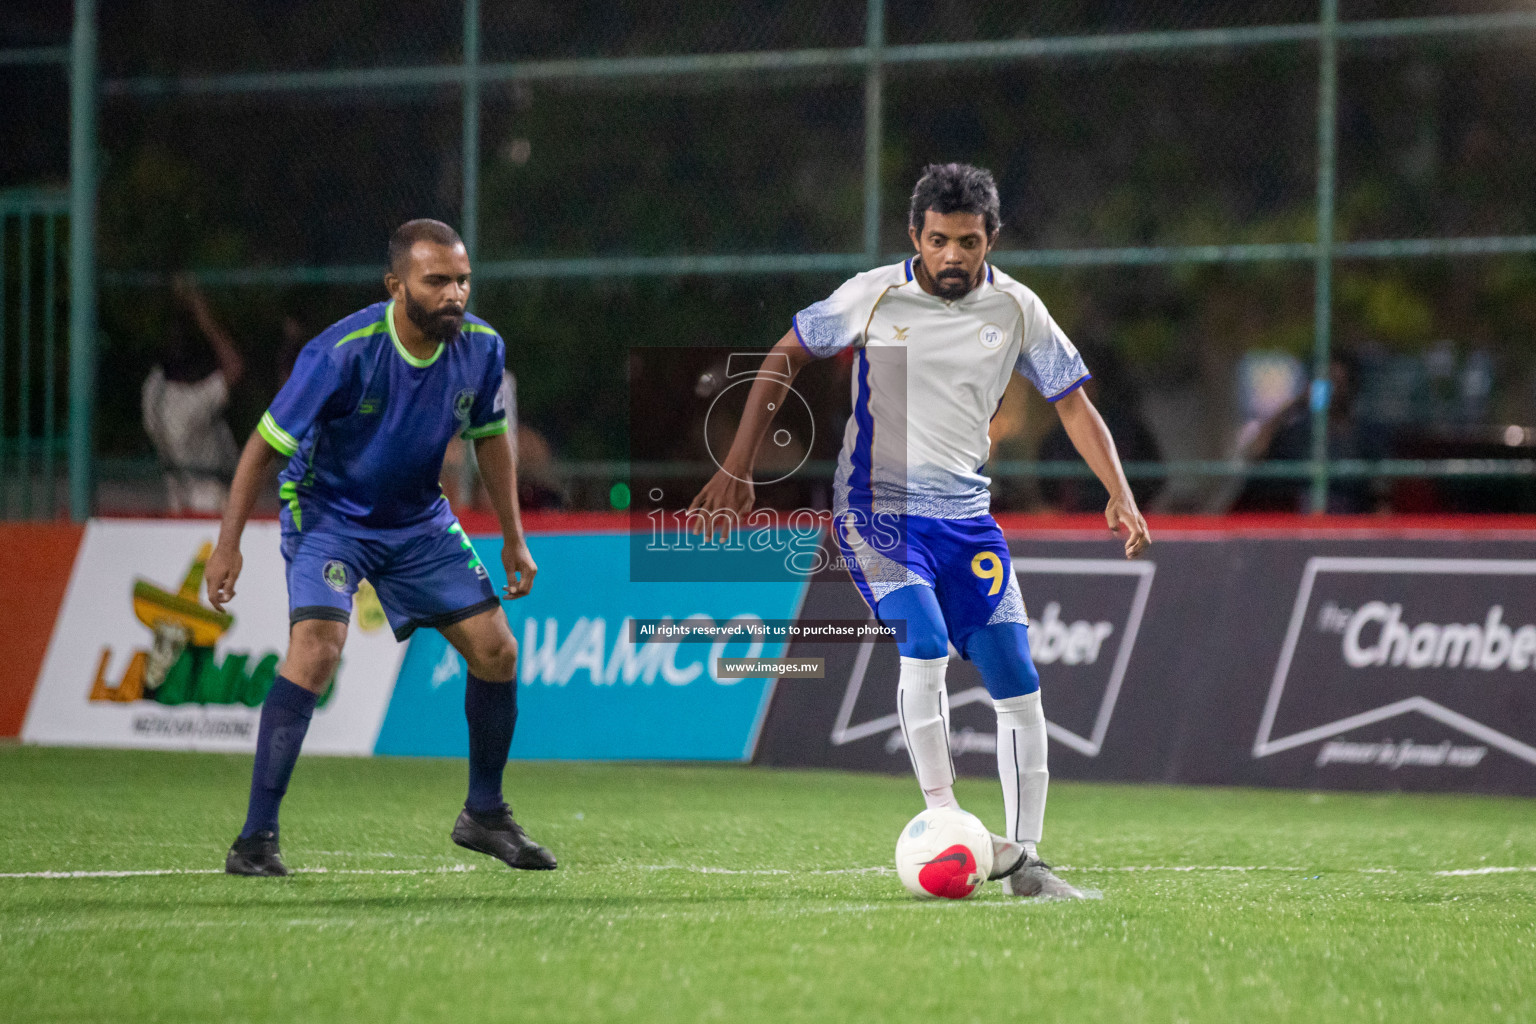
(725, 893)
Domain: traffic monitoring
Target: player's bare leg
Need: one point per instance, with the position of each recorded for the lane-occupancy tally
(1001, 652)
(314, 651)
(490, 707)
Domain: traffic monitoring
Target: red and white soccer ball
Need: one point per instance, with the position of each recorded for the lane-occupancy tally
(944, 854)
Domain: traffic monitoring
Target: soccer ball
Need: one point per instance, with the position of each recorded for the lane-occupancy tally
(944, 853)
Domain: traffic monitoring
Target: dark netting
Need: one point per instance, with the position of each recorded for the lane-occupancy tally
(272, 180)
(268, 193)
(1191, 362)
(628, 28)
(568, 341)
(728, 169)
(1360, 10)
(144, 326)
(931, 21)
(34, 122)
(36, 23)
(1112, 153)
(1436, 137)
(174, 37)
(1446, 367)
(141, 325)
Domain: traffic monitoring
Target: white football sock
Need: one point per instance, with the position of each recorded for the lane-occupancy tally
(923, 704)
(1021, 746)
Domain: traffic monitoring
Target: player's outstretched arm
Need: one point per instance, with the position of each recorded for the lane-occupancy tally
(730, 490)
(498, 470)
(224, 350)
(1093, 442)
(252, 474)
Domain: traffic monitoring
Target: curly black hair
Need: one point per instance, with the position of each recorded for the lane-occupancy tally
(956, 188)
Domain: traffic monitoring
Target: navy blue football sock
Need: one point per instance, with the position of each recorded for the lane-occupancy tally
(491, 710)
(284, 720)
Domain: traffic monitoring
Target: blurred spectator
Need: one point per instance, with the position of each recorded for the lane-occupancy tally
(1288, 436)
(183, 401)
(1114, 393)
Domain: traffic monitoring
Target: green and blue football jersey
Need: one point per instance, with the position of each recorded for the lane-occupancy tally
(366, 424)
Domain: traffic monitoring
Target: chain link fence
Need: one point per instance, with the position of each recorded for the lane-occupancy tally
(1294, 237)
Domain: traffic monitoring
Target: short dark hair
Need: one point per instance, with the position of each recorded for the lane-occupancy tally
(423, 229)
(956, 188)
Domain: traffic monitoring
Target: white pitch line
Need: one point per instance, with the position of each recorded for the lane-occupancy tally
(1178, 867)
(111, 874)
(451, 869)
(1458, 872)
(781, 872)
(1089, 869)
(878, 870)
(1064, 867)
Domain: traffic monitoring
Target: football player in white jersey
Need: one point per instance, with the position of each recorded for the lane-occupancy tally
(937, 338)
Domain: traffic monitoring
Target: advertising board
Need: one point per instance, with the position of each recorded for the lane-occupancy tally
(1408, 663)
(1330, 663)
(138, 658)
(1274, 660)
(586, 688)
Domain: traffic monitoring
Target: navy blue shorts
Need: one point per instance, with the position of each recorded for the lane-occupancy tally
(431, 577)
(965, 561)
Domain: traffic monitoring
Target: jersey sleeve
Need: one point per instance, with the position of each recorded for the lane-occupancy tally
(1047, 357)
(836, 322)
(488, 414)
(313, 394)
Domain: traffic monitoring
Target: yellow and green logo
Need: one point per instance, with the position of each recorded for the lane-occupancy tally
(182, 664)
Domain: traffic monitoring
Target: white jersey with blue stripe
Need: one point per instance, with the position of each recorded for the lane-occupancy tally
(928, 377)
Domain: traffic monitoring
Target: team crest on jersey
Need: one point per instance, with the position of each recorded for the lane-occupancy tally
(335, 575)
(462, 402)
(991, 336)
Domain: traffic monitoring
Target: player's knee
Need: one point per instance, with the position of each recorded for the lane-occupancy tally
(1001, 653)
(496, 660)
(926, 646)
(314, 653)
(1014, 677)
(914, 611)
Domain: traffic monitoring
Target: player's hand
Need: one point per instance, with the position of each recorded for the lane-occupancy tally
(1123, 514)
(724, 503)
(520, 569)
(222, 570)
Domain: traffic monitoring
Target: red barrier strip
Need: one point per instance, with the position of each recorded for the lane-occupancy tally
(1247, 524)
(1257, 524)
(36, 560)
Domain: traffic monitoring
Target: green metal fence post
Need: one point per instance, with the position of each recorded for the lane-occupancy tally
(50, 381)
(1322, 295)
(844, 64)
(874, 82)
(469, 211)
(24, 365)
(469, 214)
(5, 485)
(82, 255)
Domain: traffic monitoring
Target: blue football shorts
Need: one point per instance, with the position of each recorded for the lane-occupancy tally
(965, 561)
(427, 577)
